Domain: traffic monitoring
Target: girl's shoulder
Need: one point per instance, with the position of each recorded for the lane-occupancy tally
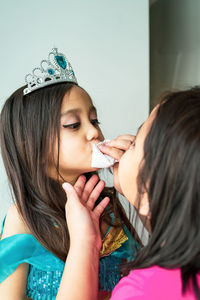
(18, 246)
(13, 223)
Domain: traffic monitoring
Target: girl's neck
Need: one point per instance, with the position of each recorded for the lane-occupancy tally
(71, 179)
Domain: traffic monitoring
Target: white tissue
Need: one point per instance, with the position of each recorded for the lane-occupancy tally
(99, 159)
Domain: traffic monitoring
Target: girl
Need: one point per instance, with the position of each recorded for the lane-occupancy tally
(159, 174)
(48, 128)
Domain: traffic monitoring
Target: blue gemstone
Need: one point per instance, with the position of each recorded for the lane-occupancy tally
(61, 61)
(51, 71)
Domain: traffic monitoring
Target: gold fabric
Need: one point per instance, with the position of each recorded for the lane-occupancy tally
(113, 240)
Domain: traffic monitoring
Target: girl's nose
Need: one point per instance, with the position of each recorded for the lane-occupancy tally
(92, 132)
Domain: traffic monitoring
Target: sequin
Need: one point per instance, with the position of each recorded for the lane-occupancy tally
(45, 269)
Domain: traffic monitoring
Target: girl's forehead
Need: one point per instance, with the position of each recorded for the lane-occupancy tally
(77, 100)
(77, 96)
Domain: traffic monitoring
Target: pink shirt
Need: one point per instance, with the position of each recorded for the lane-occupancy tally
(152, 283)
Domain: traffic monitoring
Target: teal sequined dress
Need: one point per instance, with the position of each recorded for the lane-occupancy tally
(45, 269)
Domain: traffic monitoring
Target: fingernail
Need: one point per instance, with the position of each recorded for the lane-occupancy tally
(67, 186)
(101, 147)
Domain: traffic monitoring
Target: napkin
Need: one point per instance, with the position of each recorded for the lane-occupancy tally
(99, 159)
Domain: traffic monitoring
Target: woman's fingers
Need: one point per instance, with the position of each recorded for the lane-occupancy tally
(129, 137)
(79, 185)
(101, 206)
(88, 192)
(95, 194)
(73, 201)
(115, 148)
(89, 187)
(122, 144)
(118, 146)
(111, 151)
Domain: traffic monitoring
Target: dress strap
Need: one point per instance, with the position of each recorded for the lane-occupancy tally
(2, 226)
(24, 248)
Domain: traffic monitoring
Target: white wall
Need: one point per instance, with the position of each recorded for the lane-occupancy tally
(175, 45)
(106, 42)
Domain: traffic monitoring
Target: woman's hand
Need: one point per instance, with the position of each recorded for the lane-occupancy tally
(82, 263)
(116, 148)
(82, 218)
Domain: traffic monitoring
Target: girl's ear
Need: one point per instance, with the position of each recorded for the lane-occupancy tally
(144, 206)
(144, 212)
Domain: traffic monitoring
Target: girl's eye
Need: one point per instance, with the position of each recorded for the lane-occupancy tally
(95, 122)
(72, 126)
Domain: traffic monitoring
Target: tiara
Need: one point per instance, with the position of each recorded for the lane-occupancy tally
(53, 70)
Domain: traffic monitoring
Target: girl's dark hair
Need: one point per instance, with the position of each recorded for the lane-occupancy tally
(30, 125)
(170, 174)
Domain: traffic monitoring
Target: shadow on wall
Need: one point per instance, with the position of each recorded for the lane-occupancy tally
(174, 46)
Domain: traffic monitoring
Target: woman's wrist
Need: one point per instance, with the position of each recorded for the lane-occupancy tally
(85, 246)
(81, 267)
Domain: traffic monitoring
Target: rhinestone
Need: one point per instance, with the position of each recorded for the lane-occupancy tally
(61, 61)
(51, 71)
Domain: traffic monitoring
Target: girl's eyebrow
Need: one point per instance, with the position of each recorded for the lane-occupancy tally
(71, 111)
(93, 109)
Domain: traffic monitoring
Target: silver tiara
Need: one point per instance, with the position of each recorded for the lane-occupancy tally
(53, 70)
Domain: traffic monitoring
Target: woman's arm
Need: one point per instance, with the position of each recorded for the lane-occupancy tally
(14, 286)
(80, 277)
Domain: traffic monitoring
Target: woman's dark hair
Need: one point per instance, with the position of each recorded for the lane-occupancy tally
(30, 125)
(170, 174)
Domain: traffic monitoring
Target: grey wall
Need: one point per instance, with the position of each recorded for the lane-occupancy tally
(175, 45)
(107, 43)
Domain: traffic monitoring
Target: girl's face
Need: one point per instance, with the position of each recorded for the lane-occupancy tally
(127, 170)
(79, 129)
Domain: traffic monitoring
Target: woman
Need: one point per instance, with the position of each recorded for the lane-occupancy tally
(159, 174)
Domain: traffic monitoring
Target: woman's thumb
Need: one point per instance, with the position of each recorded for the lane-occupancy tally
(69, 190)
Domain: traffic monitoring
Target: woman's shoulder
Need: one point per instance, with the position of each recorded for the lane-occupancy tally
(14, 223)
(153, 274)
(155, 271)
(144, 283)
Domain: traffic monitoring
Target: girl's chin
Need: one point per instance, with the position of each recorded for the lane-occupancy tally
(90, 170)
(93, 169)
